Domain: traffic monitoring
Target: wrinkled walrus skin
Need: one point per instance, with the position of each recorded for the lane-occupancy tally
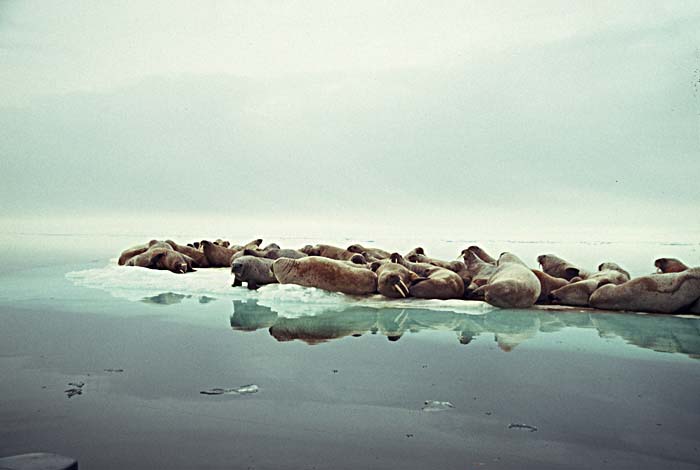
(433, 282)
(578, 293)
(327, 274)
(660, 293)
(557, 267)
(512, 285)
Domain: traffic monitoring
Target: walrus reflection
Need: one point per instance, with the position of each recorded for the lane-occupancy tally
(166, 298)
(659, 333)
(510, 329)
(324, 327)
(249, 316)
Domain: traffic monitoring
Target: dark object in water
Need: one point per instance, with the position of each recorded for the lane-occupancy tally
(76, 390)
(244, 390)
(522, 426)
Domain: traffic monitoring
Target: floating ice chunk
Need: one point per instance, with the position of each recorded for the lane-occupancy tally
(434, 405)
(287, 300)
(244, 390)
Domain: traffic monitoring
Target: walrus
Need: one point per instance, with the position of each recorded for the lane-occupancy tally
(512, 284)
(670, 265)
(456, 266)
(480, 272)
(137, 250)
(220, 242)
(175, 262)
(217, 256)
(393, 279)
(146, 259)
(433, 282)
(198, 256)
(273, 253)
(253, 244)
(159, 257)
(480, 253)
(610, 266)
(255, 271)
(330, 251)
(557, 267)
(376, 253)
(547, 285)
(325, 273)
(578, 293)
(660, 293)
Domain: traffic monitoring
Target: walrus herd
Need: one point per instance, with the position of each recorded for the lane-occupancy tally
(505, 282)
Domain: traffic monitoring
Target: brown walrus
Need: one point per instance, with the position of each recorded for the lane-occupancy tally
(198, 256)
(251, 244)
(330, 251)
(433, 282)
(255, 271)
(220, 242)
(272, 253)
(480, 253)
(670, 265)
(548, 284)
(161, 257)
(376, 253)
(557, 267)
(393, 280)
(512, 285)
(217, 256)
(135, 250)
(456, 266)
(578, 293)
(325, 273)
(480, 272)
(661, 293)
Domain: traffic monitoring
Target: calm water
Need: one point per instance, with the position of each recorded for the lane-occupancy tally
(341, 383)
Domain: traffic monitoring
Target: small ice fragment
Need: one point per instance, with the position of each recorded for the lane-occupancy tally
(244, 390)
(522, 426)
(434, 405)
(252, 388)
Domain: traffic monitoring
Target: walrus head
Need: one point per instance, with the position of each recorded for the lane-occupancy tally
(416, 251)
(394, 280)
(311, 250)
(356, 248)
(669, 265)
(396, 258)
(357, 259)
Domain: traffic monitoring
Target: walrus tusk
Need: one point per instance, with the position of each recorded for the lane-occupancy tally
(405, 287)
(398, 289)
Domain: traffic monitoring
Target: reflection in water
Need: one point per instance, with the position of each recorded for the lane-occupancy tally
(510, 328)
(169, 298)
(166, 298)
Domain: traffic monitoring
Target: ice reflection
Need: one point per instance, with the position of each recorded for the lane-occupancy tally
(509, 328)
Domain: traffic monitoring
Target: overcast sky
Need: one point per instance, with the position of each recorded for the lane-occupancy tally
(479, 112)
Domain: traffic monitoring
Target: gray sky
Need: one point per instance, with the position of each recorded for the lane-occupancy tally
(485, 112)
